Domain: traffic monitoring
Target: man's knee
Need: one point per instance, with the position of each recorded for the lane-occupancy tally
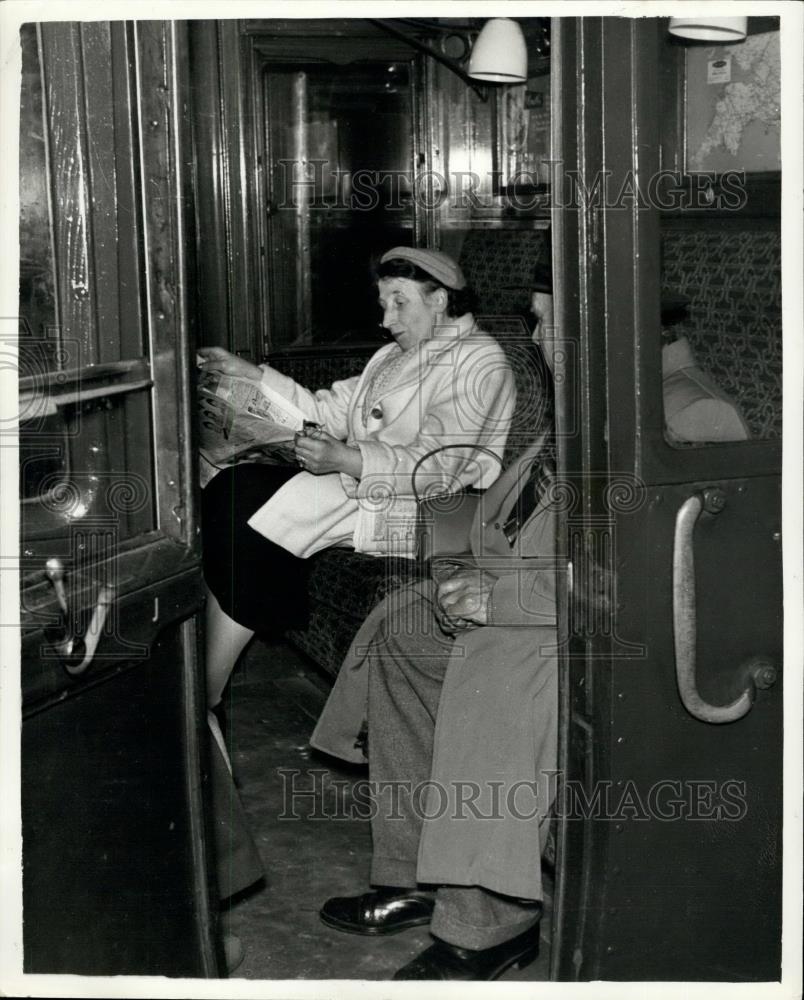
(409, 639)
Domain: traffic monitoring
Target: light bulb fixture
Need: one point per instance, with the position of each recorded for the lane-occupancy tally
(499, 54)
(709, 29)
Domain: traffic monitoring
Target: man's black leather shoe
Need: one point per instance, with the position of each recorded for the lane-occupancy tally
(447, 961)
(384, 911)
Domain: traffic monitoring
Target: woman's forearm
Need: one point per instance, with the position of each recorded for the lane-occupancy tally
(352, 463)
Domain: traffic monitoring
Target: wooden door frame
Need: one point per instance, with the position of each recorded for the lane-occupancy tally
(228, 58)
(581, 411)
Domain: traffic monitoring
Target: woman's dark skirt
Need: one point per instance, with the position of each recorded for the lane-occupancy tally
(257, 583)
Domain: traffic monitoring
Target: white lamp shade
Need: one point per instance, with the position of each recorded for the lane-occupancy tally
(709, 29)
(500, 55)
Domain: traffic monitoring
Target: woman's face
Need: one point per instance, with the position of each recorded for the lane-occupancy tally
(409, 311)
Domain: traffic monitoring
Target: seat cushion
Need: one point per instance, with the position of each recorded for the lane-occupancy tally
(343, 587)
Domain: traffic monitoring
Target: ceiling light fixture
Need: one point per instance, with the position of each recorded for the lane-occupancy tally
(709, 29)
(499, 54)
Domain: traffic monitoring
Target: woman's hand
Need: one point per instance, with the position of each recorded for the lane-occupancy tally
(319, 452)
(216, 359)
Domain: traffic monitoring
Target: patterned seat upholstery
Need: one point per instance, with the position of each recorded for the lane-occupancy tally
(344, 585)
(499, 265)
(321, 366)
(732, 277)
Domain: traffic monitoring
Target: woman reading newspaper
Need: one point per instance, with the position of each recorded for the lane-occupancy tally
(441, 382)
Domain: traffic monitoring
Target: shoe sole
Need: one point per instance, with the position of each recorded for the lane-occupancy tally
(520, 962)
(403, 925)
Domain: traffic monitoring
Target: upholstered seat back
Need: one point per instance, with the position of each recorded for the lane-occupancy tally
(499, 266)
(732, 277)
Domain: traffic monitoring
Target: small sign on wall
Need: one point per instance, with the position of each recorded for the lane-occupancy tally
(522, 148)
(719, 70)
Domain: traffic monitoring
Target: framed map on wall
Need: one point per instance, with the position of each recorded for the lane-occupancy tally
(733, 106)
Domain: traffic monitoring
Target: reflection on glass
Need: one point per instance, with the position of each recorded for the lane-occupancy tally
(696, 409)
(340, 142)
(83, 465)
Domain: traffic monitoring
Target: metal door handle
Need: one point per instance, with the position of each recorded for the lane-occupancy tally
(758, 671)
(77, 652)
(106, 596)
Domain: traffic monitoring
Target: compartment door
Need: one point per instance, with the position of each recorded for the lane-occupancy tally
(670, 838)
(116, 860)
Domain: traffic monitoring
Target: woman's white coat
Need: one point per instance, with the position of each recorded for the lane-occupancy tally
(453, 388)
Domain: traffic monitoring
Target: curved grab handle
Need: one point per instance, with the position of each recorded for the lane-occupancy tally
(106, 598)
(685, 619)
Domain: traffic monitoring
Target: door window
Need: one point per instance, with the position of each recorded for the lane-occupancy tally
(86, 455)
(340, 192)
(721, 241)
(721, 331)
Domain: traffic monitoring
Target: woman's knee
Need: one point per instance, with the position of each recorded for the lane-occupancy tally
(234, 486)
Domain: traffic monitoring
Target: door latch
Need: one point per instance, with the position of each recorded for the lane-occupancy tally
(77, 652)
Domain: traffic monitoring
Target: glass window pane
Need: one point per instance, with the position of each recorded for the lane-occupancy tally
(86, 467)
(721, 241)
(340, 148)
(721, 332)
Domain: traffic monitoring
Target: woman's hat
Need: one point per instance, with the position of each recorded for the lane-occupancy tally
(437, 264)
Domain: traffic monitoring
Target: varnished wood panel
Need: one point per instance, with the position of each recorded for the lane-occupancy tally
(65, 101)
(90, 121)
(161, 61)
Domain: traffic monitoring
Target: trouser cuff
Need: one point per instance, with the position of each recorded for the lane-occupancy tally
(444, 925)
(393, 871)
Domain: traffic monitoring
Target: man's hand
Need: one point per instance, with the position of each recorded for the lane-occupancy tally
(319, 452)
(464, 597)
(216, 359)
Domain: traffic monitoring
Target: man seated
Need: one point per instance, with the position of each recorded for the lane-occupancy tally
(459, 675)
(462, 717)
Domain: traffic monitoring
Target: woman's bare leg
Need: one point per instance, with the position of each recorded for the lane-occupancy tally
(225, 641)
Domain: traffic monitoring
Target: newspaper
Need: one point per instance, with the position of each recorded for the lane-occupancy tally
(244, 421)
